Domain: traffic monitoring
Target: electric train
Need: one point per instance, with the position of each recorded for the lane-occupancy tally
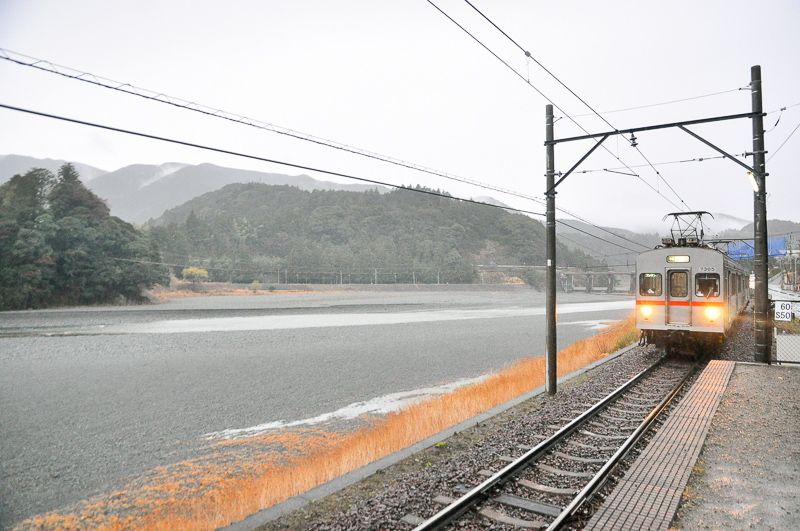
(688, 293)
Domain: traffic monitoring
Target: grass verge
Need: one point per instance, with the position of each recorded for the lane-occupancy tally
(244, 476)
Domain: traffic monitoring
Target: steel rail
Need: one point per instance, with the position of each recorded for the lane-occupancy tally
(602, 475)
(477, 494)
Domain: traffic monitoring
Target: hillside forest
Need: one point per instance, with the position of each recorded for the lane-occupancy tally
(253, 231)
(60, 246)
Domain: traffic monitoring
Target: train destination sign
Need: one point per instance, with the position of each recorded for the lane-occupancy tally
(678, 259)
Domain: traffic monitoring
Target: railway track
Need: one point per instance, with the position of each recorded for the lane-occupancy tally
(545, 486)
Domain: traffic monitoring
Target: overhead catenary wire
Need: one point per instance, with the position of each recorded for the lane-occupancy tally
(599, 256)
(684, 161)
(670, 102)
(585, 247)
(599, 238)
(262, 159)
(596, 257)
(160, 97)
(659, 176)
(784, 143)
(528, 55)
(527, 81)
(127, 88)
(783, 108)
(283, 163)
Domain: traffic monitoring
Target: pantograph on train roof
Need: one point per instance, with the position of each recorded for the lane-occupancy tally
(687, 228)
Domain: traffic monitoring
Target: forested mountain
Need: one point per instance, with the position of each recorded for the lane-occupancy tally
(126, 182)
(776, 227)
(616, 247)
(247, 232)
(141, 192)
(11, 165)
(60, 246)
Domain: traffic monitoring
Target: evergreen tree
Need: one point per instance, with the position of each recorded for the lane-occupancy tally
(59, 245)
(312, 236)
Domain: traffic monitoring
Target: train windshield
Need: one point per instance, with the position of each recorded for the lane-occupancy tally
(678, 284)
(706, 284)
(650, 284)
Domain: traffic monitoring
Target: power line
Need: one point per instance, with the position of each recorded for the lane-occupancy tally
(282, 163)
(784, 143)
(658, 174)
(599, 228)
(696, 159)
(664, 102)
(496, 56)
(262, 159)
(661, 177)
(783, 108)
(599, 238)
(595, 250)
(546, 98)
(528, 54)
(576, 243)
(159, 97)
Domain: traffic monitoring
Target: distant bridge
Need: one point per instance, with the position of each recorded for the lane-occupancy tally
(588, 281)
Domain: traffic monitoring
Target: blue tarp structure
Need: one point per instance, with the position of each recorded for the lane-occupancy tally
(744, 249)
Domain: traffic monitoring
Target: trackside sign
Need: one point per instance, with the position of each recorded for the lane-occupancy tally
(783, 311)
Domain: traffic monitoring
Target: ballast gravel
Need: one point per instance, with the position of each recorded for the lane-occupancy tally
(381, 501)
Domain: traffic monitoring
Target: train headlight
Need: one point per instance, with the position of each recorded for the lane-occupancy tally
(647, 311)
(712, 314)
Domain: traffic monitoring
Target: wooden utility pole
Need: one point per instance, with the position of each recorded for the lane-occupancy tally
(550, 280)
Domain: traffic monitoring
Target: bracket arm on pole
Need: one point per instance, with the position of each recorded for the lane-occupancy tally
(712, 146)
(597, 145)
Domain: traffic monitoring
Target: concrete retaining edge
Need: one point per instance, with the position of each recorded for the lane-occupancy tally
(269, 514)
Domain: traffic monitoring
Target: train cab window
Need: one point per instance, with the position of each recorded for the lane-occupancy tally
(678, 284)
(650, 284)
(706, 285)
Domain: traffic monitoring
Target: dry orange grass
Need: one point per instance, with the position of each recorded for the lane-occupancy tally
(246, 475)
(162, 293)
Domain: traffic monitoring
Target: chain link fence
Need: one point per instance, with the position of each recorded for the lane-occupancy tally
(786, 344)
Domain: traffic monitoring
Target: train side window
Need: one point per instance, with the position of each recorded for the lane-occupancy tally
(678, 284)
(706, 284)
(650, 284)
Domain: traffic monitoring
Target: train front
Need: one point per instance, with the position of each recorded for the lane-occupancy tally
(680, 301)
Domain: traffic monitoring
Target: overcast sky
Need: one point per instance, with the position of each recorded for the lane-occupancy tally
(400, 79)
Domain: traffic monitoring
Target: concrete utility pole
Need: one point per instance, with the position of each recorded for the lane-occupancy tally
(550, 304)
(763, 321)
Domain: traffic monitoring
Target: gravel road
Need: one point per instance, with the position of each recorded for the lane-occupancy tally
(90, 396)
(748, 474)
